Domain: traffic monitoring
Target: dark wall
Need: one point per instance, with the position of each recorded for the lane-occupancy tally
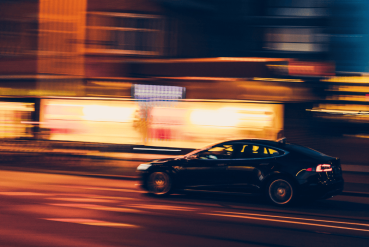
(215, 28)
(18, 37)
(350, 35)
(139, 6)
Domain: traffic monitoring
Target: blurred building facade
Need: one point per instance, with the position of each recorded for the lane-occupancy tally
(59, 45)
(275, 52)
(61, 34)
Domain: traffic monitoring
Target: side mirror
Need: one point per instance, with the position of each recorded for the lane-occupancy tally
(282, 140)
(192, 157)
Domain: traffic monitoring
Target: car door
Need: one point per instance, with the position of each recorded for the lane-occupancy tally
(206, 169)
(249, 165)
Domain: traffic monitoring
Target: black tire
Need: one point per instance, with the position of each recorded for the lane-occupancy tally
(159, 183)
(280, 192)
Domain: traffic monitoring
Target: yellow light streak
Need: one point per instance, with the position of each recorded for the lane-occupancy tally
(362, 98)
(115, 197)
(286, 221)
(16, 193)
(340, 111)
(297, 218)
(82, 199)
(361, 89)
(277, 79)
(95, 207)
(358, 136)
(91, 222)
(347, 79)
(100, 188)
(163, 207)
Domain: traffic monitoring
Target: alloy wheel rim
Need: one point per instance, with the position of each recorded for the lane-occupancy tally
(280, 191)
(159, 183)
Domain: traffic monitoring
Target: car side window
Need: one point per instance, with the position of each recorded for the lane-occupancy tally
(217, 152)
(252, 151)
(274, 152)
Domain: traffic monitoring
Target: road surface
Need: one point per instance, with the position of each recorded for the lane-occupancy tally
(39, 209)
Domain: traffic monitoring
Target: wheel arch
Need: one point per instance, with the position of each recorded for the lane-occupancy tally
(159, 187)
(167, 169)
(294, 196)
(276, 175)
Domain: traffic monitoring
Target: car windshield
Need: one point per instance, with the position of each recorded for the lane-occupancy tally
(307, 151)
(197, 150)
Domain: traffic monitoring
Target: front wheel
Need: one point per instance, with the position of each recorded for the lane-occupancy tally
(280, 192)
(159, 183)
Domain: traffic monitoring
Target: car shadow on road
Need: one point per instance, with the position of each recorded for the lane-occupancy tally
(353, 207)
(221, 199)
(342, 206)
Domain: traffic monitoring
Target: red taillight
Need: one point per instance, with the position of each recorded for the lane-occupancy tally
(324, 168)
(320, 168)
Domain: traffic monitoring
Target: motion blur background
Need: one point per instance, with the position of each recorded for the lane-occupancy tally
(186, 73)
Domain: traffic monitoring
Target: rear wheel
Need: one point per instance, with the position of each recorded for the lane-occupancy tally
(159, 183)
(281, 192)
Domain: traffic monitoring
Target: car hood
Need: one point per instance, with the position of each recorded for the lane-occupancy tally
(166, 160)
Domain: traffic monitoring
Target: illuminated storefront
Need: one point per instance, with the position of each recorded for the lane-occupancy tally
(15, 119)
(179, 123)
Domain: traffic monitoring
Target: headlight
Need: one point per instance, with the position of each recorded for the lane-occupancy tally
(143, 167)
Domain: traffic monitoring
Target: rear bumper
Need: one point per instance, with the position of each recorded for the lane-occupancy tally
(323, 190)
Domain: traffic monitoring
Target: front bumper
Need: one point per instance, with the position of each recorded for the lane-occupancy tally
(142, 178)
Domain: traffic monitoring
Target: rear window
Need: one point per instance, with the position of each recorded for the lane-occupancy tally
(304, 150)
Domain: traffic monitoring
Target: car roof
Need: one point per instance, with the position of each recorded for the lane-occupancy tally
(254, 140)
(290, 147)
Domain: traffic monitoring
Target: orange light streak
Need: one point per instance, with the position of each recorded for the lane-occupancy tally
(286, 221)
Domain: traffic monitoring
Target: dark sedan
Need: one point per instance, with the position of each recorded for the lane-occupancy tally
(281, 171)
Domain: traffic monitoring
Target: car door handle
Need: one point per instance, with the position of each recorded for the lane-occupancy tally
(222, 164)
(264, 164)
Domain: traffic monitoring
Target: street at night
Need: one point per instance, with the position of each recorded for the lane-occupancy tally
(118, 117)
(44, 209)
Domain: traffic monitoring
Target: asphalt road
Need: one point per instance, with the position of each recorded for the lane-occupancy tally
(39, 209)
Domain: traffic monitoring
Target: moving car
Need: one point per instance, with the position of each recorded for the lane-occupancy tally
(281, 171)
